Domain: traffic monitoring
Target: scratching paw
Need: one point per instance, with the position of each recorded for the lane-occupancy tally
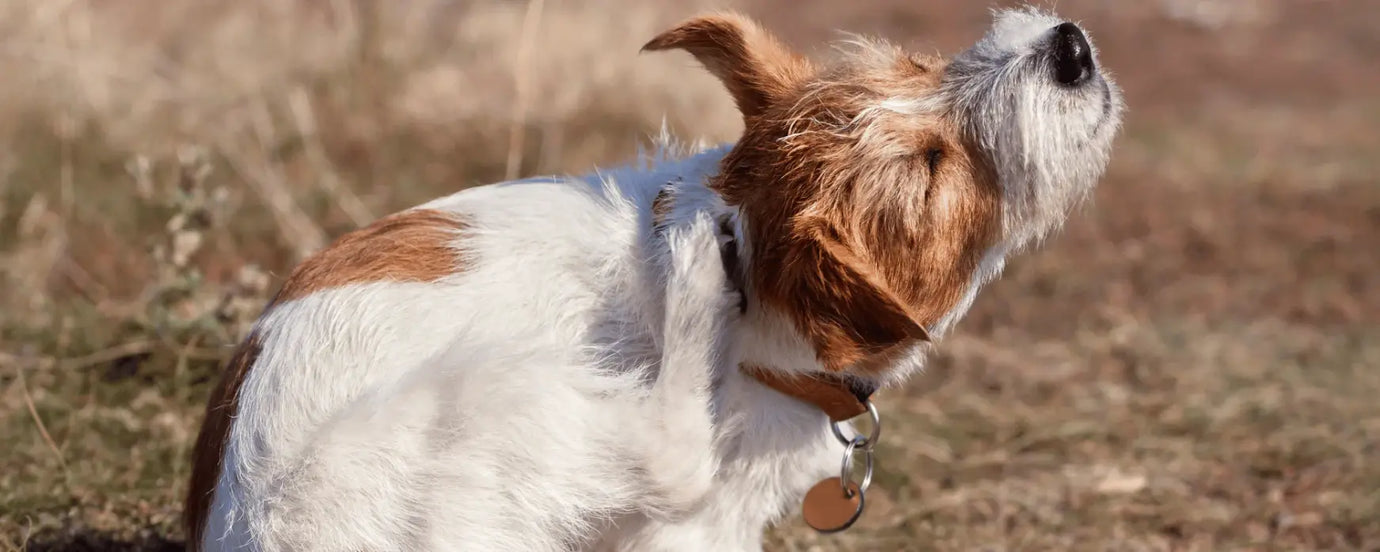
(703, 253)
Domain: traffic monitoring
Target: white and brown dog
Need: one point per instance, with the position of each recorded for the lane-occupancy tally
(648, 358)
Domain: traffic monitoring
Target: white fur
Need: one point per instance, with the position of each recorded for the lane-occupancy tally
(574, 386)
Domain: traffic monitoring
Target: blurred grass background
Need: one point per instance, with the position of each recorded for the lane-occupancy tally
(1194, 364)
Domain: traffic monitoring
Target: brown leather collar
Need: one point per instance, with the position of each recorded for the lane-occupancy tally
(839, 395)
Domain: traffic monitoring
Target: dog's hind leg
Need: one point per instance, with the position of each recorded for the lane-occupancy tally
(701, 305)
(398, 470)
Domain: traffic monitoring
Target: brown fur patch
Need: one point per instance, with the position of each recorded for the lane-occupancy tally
(411, 246)
(210, 441)
(868, 210)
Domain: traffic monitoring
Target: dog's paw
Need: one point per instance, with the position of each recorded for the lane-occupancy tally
(732, 264)
(704, 262)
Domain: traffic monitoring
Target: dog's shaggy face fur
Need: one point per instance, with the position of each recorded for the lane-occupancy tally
(881, 191)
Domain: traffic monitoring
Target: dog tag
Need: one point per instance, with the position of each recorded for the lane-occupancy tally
(827, 509)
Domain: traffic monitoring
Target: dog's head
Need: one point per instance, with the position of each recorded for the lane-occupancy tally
(879, 191)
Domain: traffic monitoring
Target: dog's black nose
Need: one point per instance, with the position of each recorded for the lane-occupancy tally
(1073, 63)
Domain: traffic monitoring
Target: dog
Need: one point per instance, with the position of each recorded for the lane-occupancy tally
(650, 358)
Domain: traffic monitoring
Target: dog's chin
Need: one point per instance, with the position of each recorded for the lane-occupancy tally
(895, 367)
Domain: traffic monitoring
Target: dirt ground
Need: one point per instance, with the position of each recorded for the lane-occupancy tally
(1192, 364)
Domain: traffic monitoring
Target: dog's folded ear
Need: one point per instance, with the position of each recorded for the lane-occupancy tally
(755, 67)
(843, 305)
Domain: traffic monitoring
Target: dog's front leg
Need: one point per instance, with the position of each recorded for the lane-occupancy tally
(701, 307)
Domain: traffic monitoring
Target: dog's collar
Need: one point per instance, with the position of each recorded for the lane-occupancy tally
(840, 396)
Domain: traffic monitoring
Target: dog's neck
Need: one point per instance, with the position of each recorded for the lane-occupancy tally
(772, 351)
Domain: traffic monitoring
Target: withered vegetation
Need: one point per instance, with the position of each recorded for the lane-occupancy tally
(1193, 364)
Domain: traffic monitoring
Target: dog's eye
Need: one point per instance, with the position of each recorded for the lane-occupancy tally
(920, 63)
(932, 158)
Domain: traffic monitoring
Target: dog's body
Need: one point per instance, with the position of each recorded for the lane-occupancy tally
(553, 364)
(525, 373)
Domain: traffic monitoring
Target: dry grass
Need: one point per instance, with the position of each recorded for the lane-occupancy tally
(1191, 366)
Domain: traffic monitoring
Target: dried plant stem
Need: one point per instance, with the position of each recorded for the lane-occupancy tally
(331, 182)
(38, 422)
(522, 85)
(295, 226)
(108, 355)
(88, 286)
(183, 394)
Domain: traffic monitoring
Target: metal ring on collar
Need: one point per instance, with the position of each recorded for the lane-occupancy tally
(871, 440)
(846, 473)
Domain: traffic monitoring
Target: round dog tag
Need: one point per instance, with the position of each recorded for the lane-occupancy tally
(828, 509)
